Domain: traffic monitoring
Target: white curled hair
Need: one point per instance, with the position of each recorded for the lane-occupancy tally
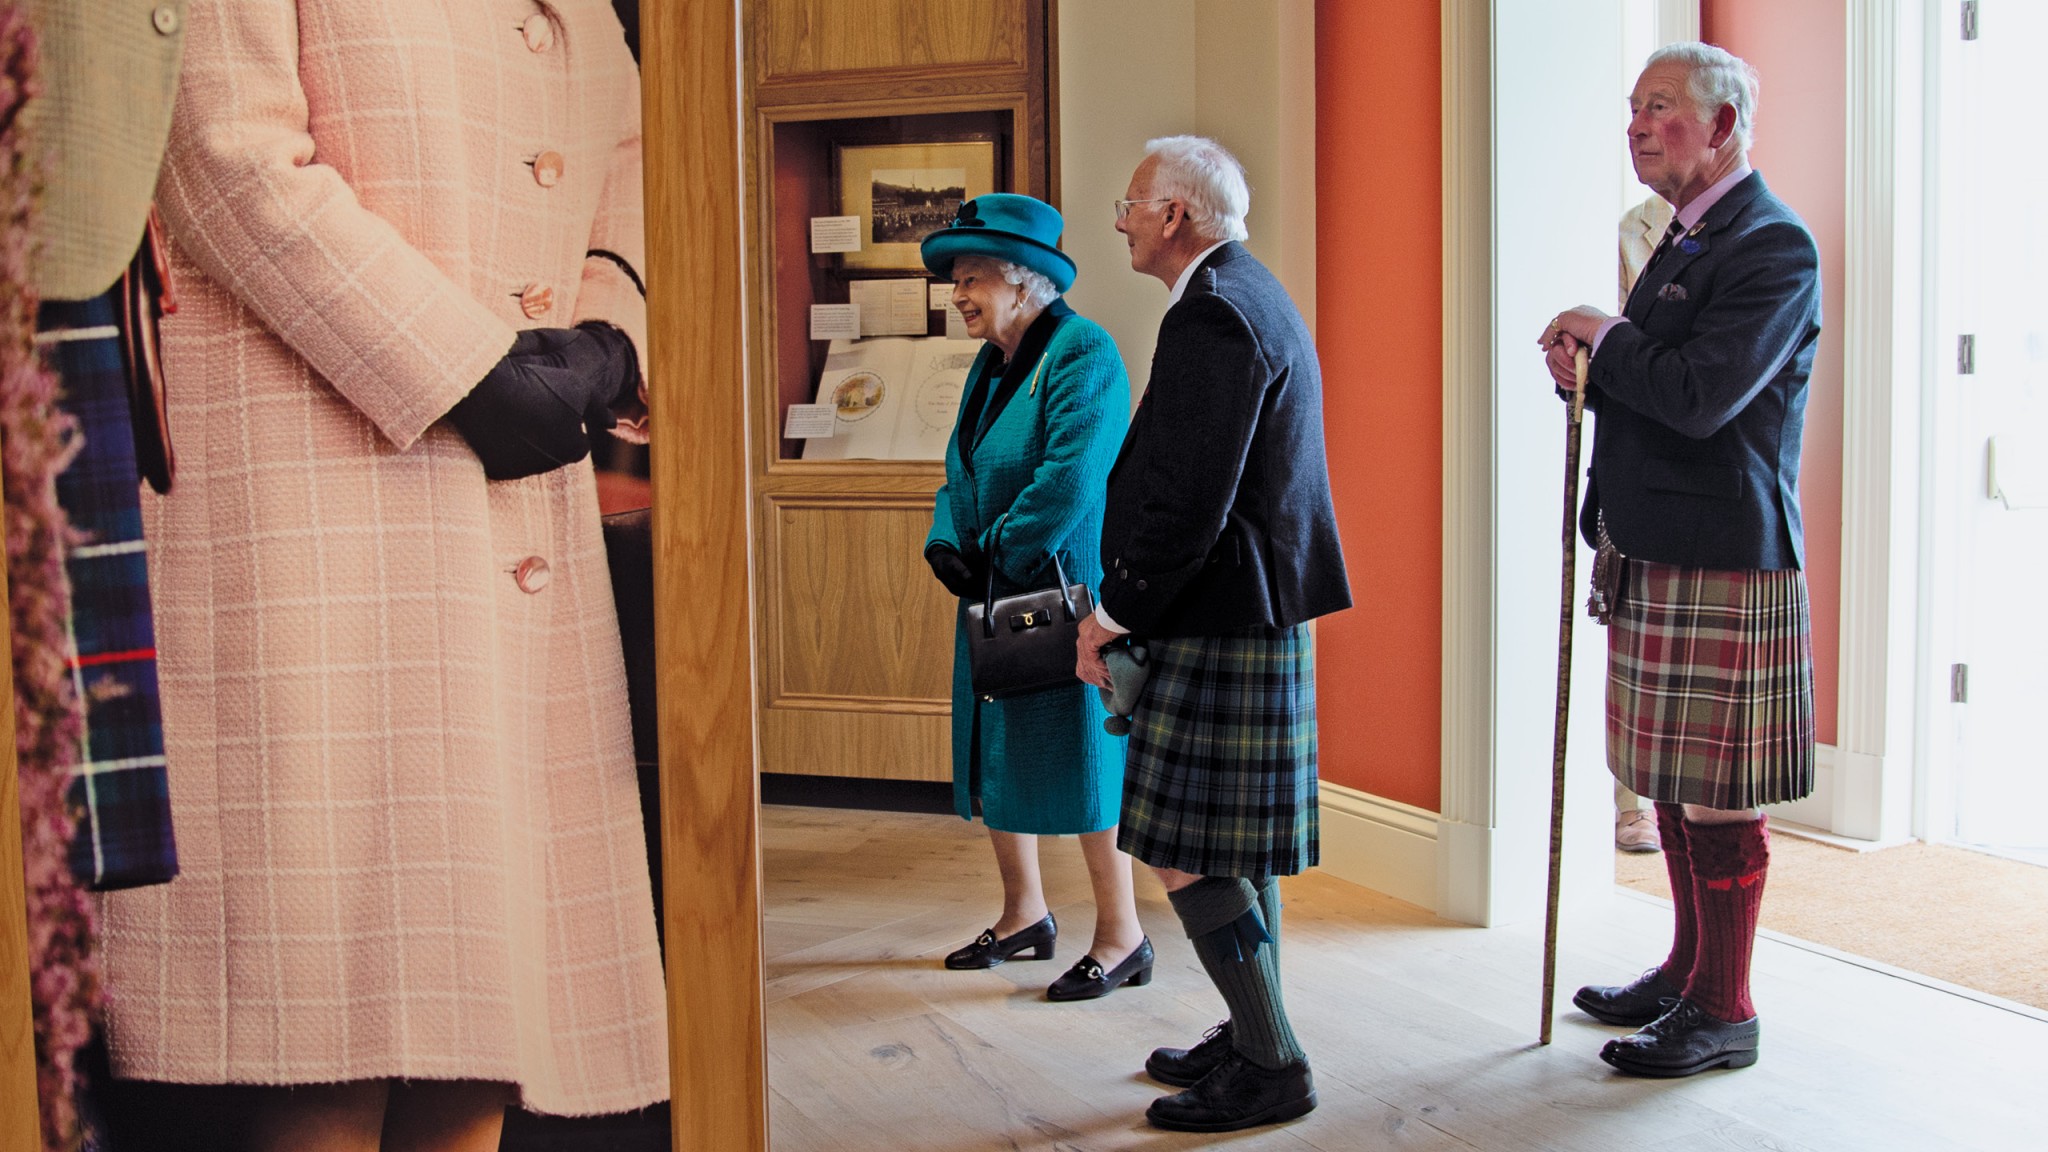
(1715, 77)
(1204, 175)
(1038, 290)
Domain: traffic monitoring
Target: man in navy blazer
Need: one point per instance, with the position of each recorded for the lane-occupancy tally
(1700, 393)
(1219, 542)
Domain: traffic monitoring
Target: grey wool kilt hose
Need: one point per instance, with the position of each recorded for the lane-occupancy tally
(1220, 773)
(1710, 686)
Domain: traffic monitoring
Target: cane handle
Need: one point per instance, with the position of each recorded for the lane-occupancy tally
(1579, 363)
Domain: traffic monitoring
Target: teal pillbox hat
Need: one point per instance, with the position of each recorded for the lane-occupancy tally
(1003, 226)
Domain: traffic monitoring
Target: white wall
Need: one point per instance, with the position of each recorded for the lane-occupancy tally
(1128, 72)
(1554, 134)
(1555, 246)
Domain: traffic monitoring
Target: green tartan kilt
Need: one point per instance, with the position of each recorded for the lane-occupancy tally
(1220, 775)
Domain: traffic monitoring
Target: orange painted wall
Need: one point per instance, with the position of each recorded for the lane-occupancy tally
(1379, 323)
(1801, 53)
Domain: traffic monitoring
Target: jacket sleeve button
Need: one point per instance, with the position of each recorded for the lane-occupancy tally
(165, 20)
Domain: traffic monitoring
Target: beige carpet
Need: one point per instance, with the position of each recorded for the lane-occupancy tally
(1956, 915)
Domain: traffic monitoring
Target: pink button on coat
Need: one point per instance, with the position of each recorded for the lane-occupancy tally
(403, 785)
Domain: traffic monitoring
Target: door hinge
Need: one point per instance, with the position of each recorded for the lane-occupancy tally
(1966, 355)
(1959, 683)
(1969, 19)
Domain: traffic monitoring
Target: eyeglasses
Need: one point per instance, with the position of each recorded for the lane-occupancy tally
(1123, 207)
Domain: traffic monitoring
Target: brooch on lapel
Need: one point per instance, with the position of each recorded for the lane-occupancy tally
(1672, 292)
(1687, 244)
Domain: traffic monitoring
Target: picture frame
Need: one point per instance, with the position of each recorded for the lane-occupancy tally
(904, 192)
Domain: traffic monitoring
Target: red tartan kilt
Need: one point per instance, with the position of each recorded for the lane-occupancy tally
(1710, 686)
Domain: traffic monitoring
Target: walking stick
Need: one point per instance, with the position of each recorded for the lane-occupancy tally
(1565, 613)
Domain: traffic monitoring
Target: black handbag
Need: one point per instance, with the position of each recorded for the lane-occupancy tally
(1025, 643)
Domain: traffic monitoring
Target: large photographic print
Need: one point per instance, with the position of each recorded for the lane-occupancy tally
(905, 192)
(911, 203)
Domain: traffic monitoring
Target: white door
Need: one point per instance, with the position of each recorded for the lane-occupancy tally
(1990, 496)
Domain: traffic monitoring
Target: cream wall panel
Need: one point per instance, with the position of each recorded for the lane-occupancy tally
(1241, 71)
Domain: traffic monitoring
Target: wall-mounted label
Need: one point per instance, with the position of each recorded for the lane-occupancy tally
(835, 321)
(808, 422)
(835, 233)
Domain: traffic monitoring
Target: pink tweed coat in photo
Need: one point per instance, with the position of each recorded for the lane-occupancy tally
(394, 703)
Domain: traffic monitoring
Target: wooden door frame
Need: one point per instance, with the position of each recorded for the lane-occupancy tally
(710, 794)
(20, 1124)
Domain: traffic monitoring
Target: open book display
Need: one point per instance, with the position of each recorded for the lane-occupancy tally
(893, 397)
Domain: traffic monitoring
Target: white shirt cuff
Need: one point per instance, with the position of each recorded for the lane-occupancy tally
(1103, 619)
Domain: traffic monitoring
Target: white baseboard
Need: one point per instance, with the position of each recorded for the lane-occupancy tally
(1380, 844)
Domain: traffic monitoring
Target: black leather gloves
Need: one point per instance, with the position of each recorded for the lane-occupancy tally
(535, 411)
(959, 577)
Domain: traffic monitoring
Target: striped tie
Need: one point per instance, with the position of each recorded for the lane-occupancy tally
(1664, 245)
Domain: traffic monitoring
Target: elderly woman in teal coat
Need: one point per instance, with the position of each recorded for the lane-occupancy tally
(1041, 419)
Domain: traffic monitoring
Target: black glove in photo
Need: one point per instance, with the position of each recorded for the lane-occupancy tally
(535, 411)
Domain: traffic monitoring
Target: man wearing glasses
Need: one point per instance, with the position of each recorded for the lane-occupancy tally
(1220, 543)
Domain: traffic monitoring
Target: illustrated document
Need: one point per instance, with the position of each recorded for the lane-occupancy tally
(893, 398)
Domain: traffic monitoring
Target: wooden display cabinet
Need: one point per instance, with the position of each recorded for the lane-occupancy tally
(855, 638)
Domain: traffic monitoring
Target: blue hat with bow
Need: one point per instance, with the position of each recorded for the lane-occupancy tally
(1003, 226)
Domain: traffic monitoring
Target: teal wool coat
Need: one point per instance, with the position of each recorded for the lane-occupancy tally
(1033, 482)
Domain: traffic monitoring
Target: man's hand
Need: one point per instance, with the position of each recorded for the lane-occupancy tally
(1561, 340)
(1559, 359)
(1088, 662)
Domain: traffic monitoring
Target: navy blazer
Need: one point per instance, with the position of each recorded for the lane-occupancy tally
(1702, 396)
(1219, 513)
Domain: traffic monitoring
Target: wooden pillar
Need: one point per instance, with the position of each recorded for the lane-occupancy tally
(710, 798)
(20, 1126)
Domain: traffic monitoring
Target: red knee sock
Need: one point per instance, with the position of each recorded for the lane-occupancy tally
(1677, 967)
(1728, 866)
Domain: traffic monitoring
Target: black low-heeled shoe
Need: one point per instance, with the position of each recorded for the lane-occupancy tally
(987, 951)
(1086, 980)
(1631, 1005)
(1185, 1067)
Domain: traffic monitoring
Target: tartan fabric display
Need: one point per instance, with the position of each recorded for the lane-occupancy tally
(119, 787)
(1220, 776)
(1710, 686)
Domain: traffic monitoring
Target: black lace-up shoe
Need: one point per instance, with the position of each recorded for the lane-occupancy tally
(1237, 1094)
(1683, 1041)
(987, 951)
(1182, 1067)
(1630, 1005)
(1086, 980)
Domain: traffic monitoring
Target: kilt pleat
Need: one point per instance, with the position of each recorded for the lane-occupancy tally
(1220, 777)
(1710, 686)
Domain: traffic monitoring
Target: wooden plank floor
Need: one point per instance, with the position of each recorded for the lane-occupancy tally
(1421, 1032)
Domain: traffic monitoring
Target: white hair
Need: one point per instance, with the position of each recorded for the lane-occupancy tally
(1204, 175)
(1715, 77)
(1038, 288)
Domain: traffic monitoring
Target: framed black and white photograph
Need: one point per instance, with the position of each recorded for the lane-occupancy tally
(904, 192)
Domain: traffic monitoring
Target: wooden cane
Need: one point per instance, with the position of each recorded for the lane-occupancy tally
(1566, 612)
